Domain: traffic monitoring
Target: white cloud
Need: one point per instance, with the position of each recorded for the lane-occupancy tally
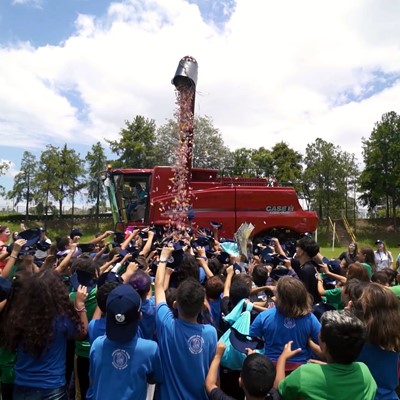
(284, 70)
(33, 3)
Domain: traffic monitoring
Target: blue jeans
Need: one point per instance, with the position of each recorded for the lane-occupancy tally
(29, 393)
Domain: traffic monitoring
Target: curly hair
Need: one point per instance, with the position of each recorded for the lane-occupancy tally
(32, 317)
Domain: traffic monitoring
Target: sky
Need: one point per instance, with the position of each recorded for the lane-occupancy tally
(74, 71)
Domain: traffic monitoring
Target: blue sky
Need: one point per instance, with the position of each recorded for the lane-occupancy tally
(73, 71)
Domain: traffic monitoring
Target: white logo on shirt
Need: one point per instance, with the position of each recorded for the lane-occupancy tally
(120, 359)
(289, 323)
(196, 344)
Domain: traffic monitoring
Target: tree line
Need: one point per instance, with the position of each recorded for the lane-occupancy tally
(326, 175)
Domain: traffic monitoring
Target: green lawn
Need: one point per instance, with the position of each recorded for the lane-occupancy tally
(332, 253)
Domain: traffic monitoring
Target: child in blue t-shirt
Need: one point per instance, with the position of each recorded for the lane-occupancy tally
(186, 347)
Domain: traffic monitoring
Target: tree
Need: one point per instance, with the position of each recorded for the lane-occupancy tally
(325, 175)
(70, 172)
(243, 164)
(23, 188)
(58, 176)
(135, 147)
(4, 166)
(96, 160)
(380, 179)
(262, 160)
(209, 150)
(46, 179)
(287, 163)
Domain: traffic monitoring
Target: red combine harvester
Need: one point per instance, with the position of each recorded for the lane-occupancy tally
(144, 197)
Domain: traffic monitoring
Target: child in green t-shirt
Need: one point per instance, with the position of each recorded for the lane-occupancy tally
(342, 337)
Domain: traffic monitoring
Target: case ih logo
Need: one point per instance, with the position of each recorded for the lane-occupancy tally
(279, 209)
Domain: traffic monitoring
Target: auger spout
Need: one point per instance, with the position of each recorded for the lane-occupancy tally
(185, 81)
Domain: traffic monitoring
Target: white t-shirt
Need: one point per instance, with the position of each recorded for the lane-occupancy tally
(383, 260)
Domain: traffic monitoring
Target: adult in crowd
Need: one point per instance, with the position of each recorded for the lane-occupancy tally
(383, 257)
(305, 267)
(348, 257)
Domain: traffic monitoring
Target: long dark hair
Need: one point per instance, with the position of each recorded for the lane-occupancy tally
(30, 322)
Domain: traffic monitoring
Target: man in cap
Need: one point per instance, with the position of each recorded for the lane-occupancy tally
(121, 363)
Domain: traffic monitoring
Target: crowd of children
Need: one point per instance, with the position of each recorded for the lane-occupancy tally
(159, 314)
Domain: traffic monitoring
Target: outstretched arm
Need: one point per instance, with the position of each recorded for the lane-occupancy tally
(212, 376)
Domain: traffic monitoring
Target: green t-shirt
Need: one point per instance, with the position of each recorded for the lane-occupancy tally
(368, 268)
(7, 361)
(329, 382)
(334, 297)
(396, 290)
(82, 347)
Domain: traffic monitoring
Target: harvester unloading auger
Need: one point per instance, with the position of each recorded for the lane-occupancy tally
(185, 81)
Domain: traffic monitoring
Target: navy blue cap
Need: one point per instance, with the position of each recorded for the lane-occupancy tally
(266, 256)
(277, 273)
(123, 313)
(242, 342)
(333, 265)
(75, 232)
(108, 277)
(84, 278)
(32, 236)
(5, 287)
(224, 257)
(175, 259)
(86, 247)
(215, 224)
(320, 308)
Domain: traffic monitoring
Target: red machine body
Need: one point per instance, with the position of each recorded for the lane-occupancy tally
(230, 201)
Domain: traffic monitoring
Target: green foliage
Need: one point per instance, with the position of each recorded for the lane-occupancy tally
(328, 171)
(96, 160)
(58, 177)
(380, 179)
(24, 188)
(287, 163)
(135, 147)
(4, 166)
(209, 150)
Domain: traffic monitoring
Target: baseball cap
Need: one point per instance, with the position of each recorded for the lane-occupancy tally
(379, 242)
(333, 265)
(32, 236)
(84, 278)
(108, 277)
(242, 342)
(123, 313)
(75, 232)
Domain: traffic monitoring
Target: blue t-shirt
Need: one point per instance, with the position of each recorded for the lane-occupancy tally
(383, 366)
(215, 305)
(186, 351)
(96, 328)
(121, 370)
(47, 371)
(277, 330)
(147, 323)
